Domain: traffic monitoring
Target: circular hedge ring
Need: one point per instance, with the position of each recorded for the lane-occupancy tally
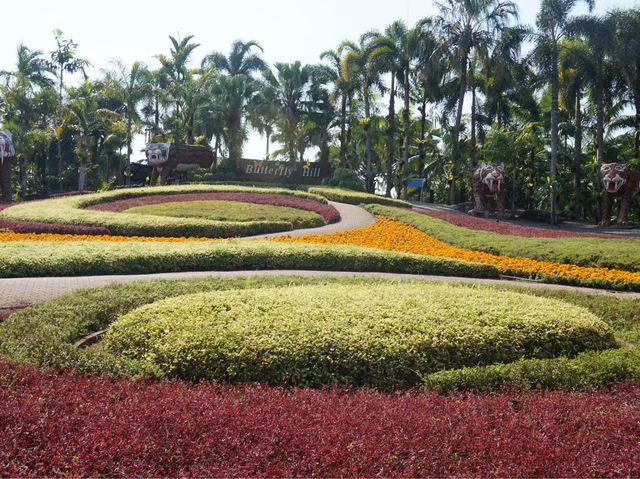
(378, 335)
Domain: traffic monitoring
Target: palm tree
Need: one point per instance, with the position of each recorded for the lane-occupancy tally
(235, 92)
(552, 22)
(626, 50)
(467, 26)
(132, 86)
(288, 87)
(343, 89)
(32, 67)
(360, 64)
(64, 60)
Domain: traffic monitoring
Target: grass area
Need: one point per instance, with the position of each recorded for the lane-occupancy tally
(44, 333)
(356, 197)
(595, 252)
(70, 210)
(72, 258)
(235, 211)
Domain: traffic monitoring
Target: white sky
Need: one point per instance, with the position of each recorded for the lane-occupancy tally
(288, 30)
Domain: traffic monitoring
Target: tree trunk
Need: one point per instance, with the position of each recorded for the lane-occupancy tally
(577, 157)
(554, 131)
(368, 142)
(343, 130)
(127, 178)
(599, 143)
(456, 131)
(60, 183)
(268, 135)
(391, 131)
(405, 136)
(423, 131)
(473, 127)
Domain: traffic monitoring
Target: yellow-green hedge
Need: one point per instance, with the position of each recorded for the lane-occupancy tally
(383, 336)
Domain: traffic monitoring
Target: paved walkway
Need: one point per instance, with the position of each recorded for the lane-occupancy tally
(351, 217)
(18, 292)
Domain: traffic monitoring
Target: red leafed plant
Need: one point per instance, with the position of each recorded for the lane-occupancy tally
(328, 212)
(68, 424)
(31, 227)
(471, 222)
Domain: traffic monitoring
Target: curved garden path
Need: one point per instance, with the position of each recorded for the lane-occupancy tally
(19, 292)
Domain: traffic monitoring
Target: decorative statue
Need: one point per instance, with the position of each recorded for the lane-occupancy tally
(165, 158)
(619, 181)
(486, 185)
(6, 153)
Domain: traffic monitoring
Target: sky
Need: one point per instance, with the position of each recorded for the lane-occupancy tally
(288, 30)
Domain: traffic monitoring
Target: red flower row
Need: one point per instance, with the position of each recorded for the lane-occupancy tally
(66, 424)
(29, 227)
(328, 212)
(468, 221)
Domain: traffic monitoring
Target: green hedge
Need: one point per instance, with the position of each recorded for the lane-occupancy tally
(236, 211)
(380, 336)
(44, 333)
(588, 370)
(69, 210)
(595, 252)
(356, 197)
(72, 258)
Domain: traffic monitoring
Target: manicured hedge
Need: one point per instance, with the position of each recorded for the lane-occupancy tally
(31, 227)
(44, 333)
(69, 210)
(72, 258)
(371, 335)
(222, 210)
(596, 252)
(356, 197)
(76, 425)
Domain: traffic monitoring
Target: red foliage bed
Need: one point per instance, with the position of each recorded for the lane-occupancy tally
(328, 212)
(471, 222)
(65, 424)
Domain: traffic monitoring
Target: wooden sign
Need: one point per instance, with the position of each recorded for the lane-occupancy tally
(283, 171)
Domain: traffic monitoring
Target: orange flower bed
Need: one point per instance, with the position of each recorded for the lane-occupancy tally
(68, 237)
(390, 234)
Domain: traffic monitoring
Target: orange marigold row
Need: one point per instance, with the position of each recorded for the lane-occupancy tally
(69, 237)
(390, 234)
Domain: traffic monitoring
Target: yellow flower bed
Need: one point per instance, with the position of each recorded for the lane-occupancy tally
(68, 237)
(390, 234)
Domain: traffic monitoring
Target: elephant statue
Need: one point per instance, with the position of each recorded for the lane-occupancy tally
(620, 182)
(487, 189)
(165, 158)
(7, 152)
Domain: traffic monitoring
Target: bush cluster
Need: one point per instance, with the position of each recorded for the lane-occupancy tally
(33, 227)
(342, 195)
(70, 210)
(380, 336)
(73, 258)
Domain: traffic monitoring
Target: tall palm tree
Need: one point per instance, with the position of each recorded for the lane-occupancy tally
(552, 22)
(467, 26)
(132, 86)
(238, 90)
(289, 86)
(363, 66)
(626, 50)
(65, 60)
(334, 72)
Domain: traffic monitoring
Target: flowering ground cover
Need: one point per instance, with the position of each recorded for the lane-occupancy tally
(74, 425)
(590, 252)
(389, 234)
(472, 222)
(328, 212)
